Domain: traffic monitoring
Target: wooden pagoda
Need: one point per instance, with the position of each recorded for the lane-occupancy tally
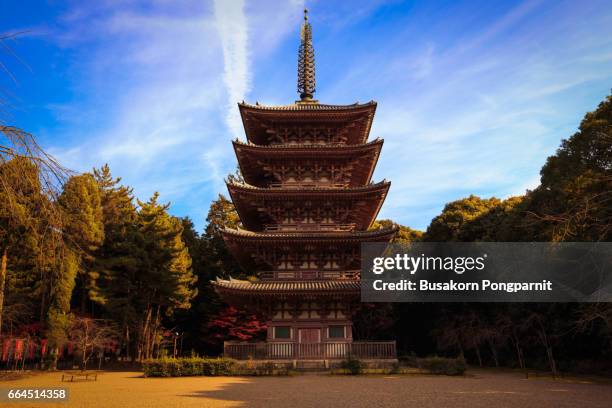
(306, 205)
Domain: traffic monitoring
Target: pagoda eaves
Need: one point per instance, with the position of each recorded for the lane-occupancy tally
(308, 208)
(247, 292)
(291, 287)
(344, 165)
(325, 124)
(378, 235)
(266, 251)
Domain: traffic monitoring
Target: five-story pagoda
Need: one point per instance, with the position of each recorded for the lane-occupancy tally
(306, 205)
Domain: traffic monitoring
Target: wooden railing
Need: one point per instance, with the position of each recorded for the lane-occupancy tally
(308, 185)
(309, 227)
(312, 274)
(304, 351)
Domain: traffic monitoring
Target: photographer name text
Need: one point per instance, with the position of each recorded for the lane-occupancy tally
(453, 286)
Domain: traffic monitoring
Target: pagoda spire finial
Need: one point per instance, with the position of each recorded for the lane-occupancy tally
(306, 63)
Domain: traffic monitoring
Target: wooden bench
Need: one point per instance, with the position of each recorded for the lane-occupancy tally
(84, 375)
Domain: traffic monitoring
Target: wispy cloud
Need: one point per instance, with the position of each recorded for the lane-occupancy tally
(231, 23)
(159, 71)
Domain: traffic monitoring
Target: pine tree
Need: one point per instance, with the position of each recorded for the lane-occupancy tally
(58, 316)
(15, 212)
(120, 258)
(206, 305)
(221, 214)
(84, 230)
(30, 237)
(166, 275)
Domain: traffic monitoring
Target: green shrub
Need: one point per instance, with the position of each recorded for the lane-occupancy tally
(267, 368)
(188, 366)
(442, 366)
(394, 369)
(409, 360)
(353, 366)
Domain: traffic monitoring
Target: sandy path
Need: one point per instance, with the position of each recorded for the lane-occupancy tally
(484, 389)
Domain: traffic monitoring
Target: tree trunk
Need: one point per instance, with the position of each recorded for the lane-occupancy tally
(3, 268)
(461, 350)
(479, 356)
(84, 357)
(154, 348)
(43, 300)
(55, 355)
(519, 352)
(47, 288)
(549, 351)
(552, 362)
(519, 356)
(144, 337)
(127, 342)
(494, 354)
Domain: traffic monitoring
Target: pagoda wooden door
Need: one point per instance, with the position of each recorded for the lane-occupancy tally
(309, 343)
(310, 335)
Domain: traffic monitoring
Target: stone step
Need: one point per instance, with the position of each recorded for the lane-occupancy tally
(311, 365)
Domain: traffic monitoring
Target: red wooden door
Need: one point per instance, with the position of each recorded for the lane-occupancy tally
(310, 336)
(310, 343)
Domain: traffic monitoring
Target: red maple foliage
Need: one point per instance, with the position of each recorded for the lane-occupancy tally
(234, 324)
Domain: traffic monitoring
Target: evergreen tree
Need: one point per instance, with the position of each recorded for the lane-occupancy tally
(58, 316)
(206, 304)
(221, 214)
(84, 230)
(404, 234)
(573, 202)
(16, 216)
(449, 225)
(166, 274)
(501, 221)
(30, 238)
(119, 259)
(30, 221)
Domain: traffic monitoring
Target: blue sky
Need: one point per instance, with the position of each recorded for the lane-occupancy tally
(472, 95)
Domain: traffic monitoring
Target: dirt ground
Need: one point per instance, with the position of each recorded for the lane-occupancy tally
(480, 389)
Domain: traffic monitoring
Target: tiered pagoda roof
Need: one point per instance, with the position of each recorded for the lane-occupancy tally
(311, 289)
(241, 235)
(248, 246)
(359, 205)
(263, 124)
(255, 160)
(246, 292)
